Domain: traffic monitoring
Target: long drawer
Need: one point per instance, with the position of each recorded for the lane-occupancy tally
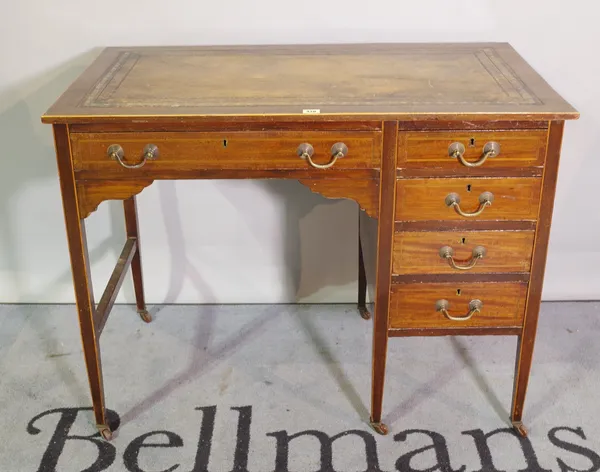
(451, 252)
(239, 150)
(480, 199)
(430, 305)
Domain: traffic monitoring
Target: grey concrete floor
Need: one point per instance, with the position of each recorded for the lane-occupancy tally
(228, 384)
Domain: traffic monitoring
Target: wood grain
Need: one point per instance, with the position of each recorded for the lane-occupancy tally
(462, 171)
(424, 199)
(461, 278)
(365, 192)
(233, 123)
(413, 305)
(426, 150)
(459, 125)
(91, 193)
(478, 331)
(273, 150)
(438, 225)
(241, 174)
(418, 252)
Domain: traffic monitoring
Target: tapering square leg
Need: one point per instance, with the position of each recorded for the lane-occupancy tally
(522, 371)
(80, 267)
(538, 265)
(132, 227)
(380, 341)
(362, 283)
(385, 234)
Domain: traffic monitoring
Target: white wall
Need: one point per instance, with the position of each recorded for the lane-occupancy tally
(263, 241)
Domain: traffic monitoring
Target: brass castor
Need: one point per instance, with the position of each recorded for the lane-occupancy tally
(105, 432)
(518, 425)
(380, 428)
(364, 313)
(145, 316)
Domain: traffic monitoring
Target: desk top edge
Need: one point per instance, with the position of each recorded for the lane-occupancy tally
(538, 100)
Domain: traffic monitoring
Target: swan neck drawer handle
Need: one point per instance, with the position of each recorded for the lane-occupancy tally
(475, 306)
(457, 151)
(306, 151)
(446, 252)
(485, 200)
(150, 152)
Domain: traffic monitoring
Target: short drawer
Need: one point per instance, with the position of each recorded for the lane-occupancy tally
(471, 304)
(525, 148)
(448, 252)
(180, 151)
(465, 199)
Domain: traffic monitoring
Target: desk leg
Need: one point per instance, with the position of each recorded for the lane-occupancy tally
(380, 341)
(362, 282)
(538, 265)
(132, 227)
(385, 235)
(80, 268)
(522, 370)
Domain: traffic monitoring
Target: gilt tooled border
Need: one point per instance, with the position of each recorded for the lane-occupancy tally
(515, 89)
(499, 70)
(123, 63)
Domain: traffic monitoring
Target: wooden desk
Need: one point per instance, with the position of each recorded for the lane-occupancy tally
(451, 150)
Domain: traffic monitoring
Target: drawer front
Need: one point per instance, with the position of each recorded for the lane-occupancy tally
(449, 252)
(275, 150)
(431, 199)
(525, 148)
(418, 305)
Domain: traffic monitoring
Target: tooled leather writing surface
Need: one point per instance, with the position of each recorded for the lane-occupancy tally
(288, 80)
(235, 79)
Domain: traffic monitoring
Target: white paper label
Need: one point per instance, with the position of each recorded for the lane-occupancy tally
(311, 111)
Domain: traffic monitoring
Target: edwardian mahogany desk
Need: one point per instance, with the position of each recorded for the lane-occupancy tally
(452, 151)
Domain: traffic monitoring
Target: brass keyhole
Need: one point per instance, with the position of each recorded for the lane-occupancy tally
(224, 143)
(458, 291)
(463, 240)
(472, 142)
(469, 188)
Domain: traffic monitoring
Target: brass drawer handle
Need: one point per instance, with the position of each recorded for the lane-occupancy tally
(115, 151)
(306, 151)
(457, 150)
(485, 200)
(442, 306)
(446, 252)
